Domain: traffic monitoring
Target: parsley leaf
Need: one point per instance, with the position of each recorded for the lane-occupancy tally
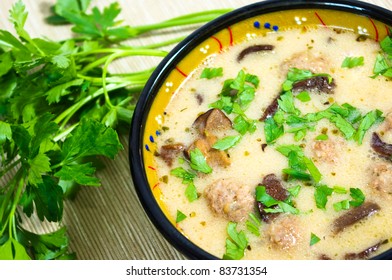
(227, 142)
(351, 62)
(210, 73)
(199, 162)
(313, 239)
(180, 216)
(236, 243)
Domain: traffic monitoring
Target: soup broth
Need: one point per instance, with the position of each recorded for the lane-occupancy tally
(275, 140)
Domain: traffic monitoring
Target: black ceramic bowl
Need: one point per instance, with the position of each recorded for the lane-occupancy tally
(182, 59)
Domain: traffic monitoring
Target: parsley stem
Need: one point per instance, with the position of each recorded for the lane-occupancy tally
(114, 56)
(9, 167)
(123, 53)
(192, 18)
(74, 108)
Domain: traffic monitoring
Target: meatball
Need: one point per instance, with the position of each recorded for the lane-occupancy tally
(326, 151)
(381, 177)
(306, 60)
(283, 232)
(230, 199)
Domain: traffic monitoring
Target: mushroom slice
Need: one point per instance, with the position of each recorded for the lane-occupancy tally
(253, 49)
(170, 151)
(365, 254)
(315, 83)
(355, 215)
(212, 120)
(380, 147)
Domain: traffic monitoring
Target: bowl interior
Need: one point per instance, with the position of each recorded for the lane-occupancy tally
(236, 27)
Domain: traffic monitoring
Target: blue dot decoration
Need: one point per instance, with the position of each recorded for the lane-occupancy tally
(275, 28)
(267, 25)
(147, 148)
(152, 139)
(256, 24)
(157, 132)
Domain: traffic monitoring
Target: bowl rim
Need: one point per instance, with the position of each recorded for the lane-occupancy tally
(151, 88)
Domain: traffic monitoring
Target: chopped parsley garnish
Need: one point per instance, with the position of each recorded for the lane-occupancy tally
(236, 243)
(199, 162)
(300, 166)
(303, 96)
(351, 62)
(227, 142)
(253, 224)
(273, 205)
(383, 63)
(321, 194)
(180, 216)
(235, 97)
(313, 239)
(210, 73)
(187, 179)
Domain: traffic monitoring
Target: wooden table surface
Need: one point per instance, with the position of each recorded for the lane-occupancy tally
(108, 222)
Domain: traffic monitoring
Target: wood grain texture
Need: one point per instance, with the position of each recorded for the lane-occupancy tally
(108, 222)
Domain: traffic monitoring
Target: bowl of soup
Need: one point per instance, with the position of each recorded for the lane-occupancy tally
(267, 134)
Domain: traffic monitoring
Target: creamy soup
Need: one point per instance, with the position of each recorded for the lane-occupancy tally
(276, 148)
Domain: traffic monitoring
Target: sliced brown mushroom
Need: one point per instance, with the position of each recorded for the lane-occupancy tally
(271, 109)
(253, 49)
(212, 120)
(170, 151)
(274, 188)
(365, 254)
(213, 156)
(316, 83)
(355, 215)
(380, 147)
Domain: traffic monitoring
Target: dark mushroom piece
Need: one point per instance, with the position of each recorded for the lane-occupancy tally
(318, 83)
(170, 151)
(212, 120)
(271, 109)
(354, 215)
(365, 254)
(380, 147)
(274, 188)
(253, 49)
(213, 156)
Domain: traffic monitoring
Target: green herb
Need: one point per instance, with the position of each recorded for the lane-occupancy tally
(383, 63)
(299, 164)
(243, 125)
(272, 130)
(351, 62)
(180, 216)
(357, 197)
(48, 156)
(235, 97)
(236, 243)
(322, 137)
(282, 206)
(342, 205)
(303, 96)
(313, 239)
(187, 179)
(294, 191)
(227, 142)
(253, 224)
(199, 162)
(368, 120)
(321, 195)
(210, 73)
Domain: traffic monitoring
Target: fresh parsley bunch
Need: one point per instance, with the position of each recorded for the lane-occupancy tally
(60, 110)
